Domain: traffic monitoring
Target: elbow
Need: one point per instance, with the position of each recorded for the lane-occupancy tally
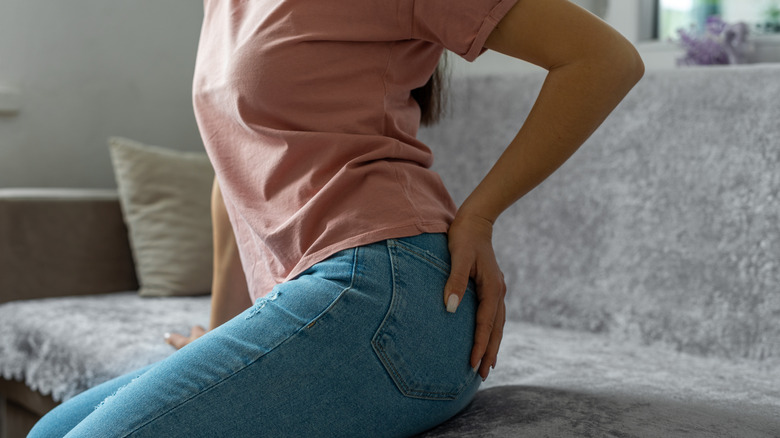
(618, 67)
(611, 61)
(627, 64)
(635, 66)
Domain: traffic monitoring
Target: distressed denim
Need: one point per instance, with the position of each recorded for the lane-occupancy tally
(358, 345)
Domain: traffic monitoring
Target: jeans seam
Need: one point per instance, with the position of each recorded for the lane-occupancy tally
(255, 360)
(352, 280)
(434, 261)
(437, 263)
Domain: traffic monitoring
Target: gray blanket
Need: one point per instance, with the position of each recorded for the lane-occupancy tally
(62, 346)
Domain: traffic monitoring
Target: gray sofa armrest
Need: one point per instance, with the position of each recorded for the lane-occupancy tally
(58, 242)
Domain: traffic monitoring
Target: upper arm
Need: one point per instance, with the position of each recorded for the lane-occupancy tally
(551, 33)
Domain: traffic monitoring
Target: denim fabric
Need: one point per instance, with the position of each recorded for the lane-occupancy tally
(358, 345)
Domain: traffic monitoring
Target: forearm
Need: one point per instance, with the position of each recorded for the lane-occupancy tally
(591, 69)
(573, 103)
(229, 292)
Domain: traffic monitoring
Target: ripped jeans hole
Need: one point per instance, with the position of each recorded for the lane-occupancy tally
(260, 304)
(115, 393)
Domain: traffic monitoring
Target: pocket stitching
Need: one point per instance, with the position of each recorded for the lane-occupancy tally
(437, 263)
(384, 356)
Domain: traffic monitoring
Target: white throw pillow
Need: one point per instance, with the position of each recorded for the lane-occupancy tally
(165, 197)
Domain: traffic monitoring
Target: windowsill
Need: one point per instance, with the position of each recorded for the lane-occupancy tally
(664, 54)
(770, 39)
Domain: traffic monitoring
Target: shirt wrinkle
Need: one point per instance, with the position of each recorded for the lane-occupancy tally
(386, 94)
(281, 86)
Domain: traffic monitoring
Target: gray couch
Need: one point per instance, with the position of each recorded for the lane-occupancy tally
(644, 276)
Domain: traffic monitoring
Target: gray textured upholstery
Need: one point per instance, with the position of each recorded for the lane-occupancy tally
(664, 227)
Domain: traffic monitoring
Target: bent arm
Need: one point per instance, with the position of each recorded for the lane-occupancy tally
(591, 68)
(229, 291)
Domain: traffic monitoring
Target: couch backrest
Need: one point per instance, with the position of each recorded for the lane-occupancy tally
(56, 242)
(664, 227)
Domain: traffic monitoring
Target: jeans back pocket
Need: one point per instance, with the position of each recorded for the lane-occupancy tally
(425, 349)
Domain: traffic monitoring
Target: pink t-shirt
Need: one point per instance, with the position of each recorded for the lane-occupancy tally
(304, 107)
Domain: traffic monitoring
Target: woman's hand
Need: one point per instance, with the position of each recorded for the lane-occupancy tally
(472, 256)
(178, 341)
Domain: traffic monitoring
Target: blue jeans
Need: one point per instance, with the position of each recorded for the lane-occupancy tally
(358, 345)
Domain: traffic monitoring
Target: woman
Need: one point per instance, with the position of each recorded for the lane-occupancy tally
(365, 321)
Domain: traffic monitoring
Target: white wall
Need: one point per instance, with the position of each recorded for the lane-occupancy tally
(88, 69)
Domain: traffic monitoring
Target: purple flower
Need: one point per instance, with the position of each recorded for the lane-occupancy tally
(718, 43)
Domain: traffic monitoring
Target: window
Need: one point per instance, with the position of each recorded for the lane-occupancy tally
(762, 15)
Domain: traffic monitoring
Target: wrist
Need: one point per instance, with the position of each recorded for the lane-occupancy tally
(472, 223)
(472, 211)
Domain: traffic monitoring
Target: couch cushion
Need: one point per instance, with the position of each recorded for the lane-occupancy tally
(560, 383)
(534, 411)
(166, 197)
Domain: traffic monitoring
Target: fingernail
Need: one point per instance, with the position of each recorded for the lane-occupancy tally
(452, 303)
(167, 336)
(476, 368)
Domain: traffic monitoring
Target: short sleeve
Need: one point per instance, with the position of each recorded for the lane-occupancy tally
(461, 26)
